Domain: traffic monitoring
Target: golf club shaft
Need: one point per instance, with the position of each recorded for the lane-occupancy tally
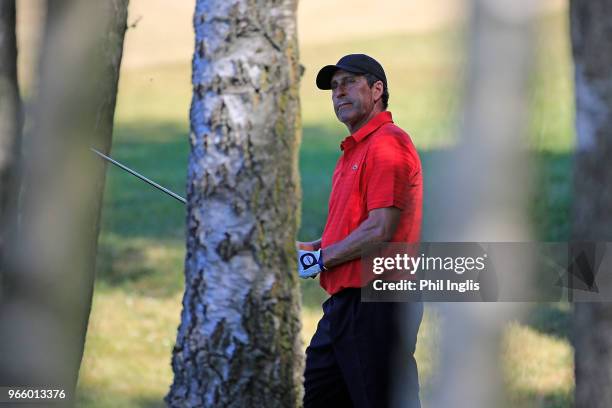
(140, 176)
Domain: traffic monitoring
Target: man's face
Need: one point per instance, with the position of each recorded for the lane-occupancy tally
(352, 97)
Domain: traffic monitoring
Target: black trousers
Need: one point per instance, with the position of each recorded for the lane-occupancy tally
(359, 352)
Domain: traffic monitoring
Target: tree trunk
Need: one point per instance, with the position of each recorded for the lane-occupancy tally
(591, 31)
(489, 158)
(238, 343)
(10, 117)
(49, 281)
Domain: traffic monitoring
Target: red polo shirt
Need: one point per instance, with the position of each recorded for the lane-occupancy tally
(379, 167)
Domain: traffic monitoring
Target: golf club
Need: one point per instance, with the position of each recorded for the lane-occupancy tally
(140, 176)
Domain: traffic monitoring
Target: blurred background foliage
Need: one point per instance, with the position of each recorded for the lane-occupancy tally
(139, 286)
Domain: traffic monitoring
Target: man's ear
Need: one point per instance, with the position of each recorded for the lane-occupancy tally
(377, 89)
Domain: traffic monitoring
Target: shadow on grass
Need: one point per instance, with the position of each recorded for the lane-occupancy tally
(559, 399)
(318, 156)
(131, 207)
(119, 265)
(550, 206)
(553, 319)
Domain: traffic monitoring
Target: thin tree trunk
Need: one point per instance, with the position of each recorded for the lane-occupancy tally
(10, 117)
(238, 343)
(473, 202)
(591, 31)
(47, 296)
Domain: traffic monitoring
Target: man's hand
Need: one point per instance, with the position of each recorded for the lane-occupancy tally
(309, 245)
(309, 259)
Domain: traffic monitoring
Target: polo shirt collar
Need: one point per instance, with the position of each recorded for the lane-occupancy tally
(367, 129)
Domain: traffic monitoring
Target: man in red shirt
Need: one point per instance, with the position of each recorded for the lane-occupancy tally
(376, 197)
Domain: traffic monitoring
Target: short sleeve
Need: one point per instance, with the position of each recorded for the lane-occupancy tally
(389, 166)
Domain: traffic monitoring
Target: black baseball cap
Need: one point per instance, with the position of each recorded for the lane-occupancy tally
(355, 63)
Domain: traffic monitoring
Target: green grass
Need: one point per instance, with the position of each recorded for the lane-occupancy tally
(544, 373)
(139, 282)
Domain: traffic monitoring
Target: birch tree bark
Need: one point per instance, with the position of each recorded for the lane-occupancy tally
(10, 116)
(46, 297)
(591, 31)
(238, 343)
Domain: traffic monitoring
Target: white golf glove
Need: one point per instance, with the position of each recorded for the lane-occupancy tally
(310, 263)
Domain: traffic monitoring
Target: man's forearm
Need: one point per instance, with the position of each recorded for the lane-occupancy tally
(375, 229)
